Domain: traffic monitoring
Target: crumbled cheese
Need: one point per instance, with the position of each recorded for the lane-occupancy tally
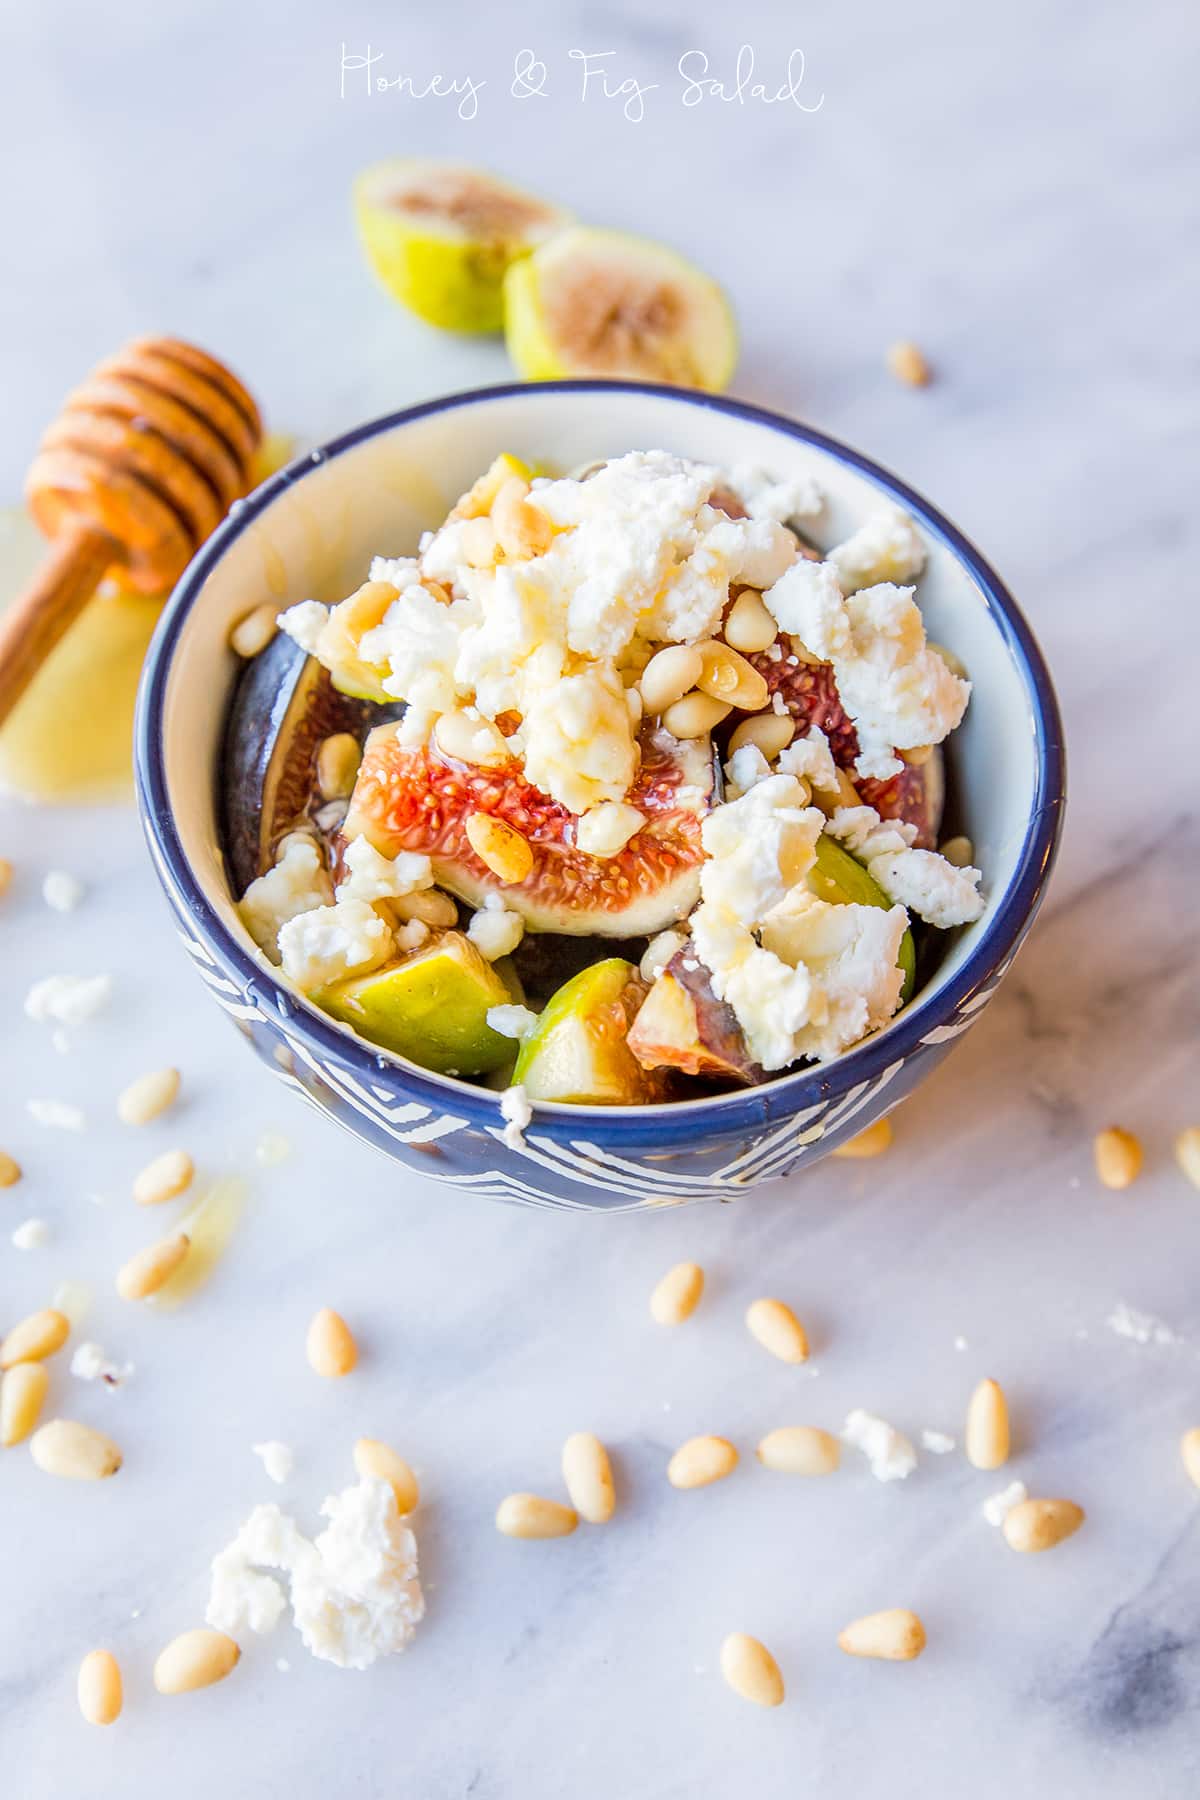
(607, 828)
(298, 882)
(271, 1148)
(277, 1459)
(376, 877)
(68, 999)
(60, 1115)
(850, 953)
(766, 496)
(354, 1589)
(513, 1022)
(581, 748)
(890, 1454)
(997, 1507)
(332, 942)
(61, 891)
(658, 953)
(898, 692)
(412, 934)
(866, 835)
(939, 1443)
(810, 758)
(746, 766)
(304, 624)
(887, 548)
(495, 934)
(758, 847)
(399, 572)
(1140, 1327)
(89, 1363)
(921, 880)
(517, 1113)
(33, 1234)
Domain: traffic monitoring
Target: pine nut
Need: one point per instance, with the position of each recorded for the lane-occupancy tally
(430, 905)
(1189, 1449)
(99, 1687)
(521, 527)
(1187, 1153)
(776, 1327)
(588, 1475)
(507, 854)
(332, 1351)
(748, 624)
(896, 1635)
(254, 632)
(529, 1516)
(700, 1461)
(908, 365)
(959, 852)
(769, 732)
(695, 715)
(371, 1457)
(872, 1142)
(10, 1170)
(751, 1670)
(668, 676)
(847, 795)
(727, 676)
(168, 1176)
(22, 1392)
(475, 741)
(986, 1439)
(38, 1336)
(916, 756)
(195, 1659)
(678, 1294)
(75, 1452)
(1118, 1157)
(1041, 1524)
(337, 765)
(152, 1267)
(148, 1096)
(800, 1450)
(6, 874)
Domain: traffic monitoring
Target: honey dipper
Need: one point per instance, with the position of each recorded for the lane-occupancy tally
(143, 462)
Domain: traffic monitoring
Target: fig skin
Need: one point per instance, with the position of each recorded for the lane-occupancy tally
(431, 1007)
(579, 1054)
(682, 1025)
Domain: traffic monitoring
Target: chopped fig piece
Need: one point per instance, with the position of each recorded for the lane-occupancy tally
(917, 796)
(682, 1025)
(579, 1053)
(432, 1008)
(416, 798)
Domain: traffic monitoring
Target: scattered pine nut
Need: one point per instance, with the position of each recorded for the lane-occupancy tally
(1118, 1156)
(1189, 1449)
(776, 1327)
(1041, 1524)
(6, 874)
(152, 1267)
(986, 1440)
(254, 631)
(678, 1294)
(751, 1670)
(958, 851)
(99, 1687)
(22, 1392)
(148, 1096)
(168, 1176)
(769, 732)
(195, 1659)
(588, 1476)
(504, 851)
(700, 1461)
(10, 1170)
(907, 364)
(75, 1452)
(529, 1516)
(35, 1337)
(872, 1142)
(330, 1345)
(1187, 1154)
(800, 1450)
(896, 1635)
(728, 677)
(371, 1457)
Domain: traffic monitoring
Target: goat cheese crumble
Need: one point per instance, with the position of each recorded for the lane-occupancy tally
(997, 1507)
(890, 1454)
(333, 942)
(517, 1113)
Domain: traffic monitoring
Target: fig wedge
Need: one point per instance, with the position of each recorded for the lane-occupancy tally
(432, 1008)
(682, 1025)
(579, 1053)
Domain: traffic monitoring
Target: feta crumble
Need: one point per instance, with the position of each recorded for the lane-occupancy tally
(89, 1363)
(495, 932)
(297, 884)
(58, 1115)
(32, 1234)
(1140, 1327)
(938, 1443)
(332, 942)
(886, 548)
(69, 1000)
(766, 496)
(61, 891)
(890, 1454)
(376, 877)
(517, 1113)
(997, 1507)
(921, 880)
(304, 624)
(278, 1460)
(512, 1021)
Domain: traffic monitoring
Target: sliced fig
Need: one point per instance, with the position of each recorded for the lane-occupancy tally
(431, 1007)
(283, 705)
(917, 796)
(682, 1025)
(579, 1052)
(416, 798)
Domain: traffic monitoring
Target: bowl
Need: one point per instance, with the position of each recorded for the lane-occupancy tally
(310, 531)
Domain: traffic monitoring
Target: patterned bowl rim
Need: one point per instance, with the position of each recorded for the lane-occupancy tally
(924, 1020)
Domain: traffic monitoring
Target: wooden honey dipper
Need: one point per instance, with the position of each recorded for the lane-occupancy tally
(141, 465)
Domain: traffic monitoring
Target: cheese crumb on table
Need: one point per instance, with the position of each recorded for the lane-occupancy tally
(997, 1507)
(33, 1234)
(1140, 1327)
(58, 1115)
(61, 891)
(938, 1443)
(89, 1363)
(277, 1459)
(68, 999)
(890, 1454)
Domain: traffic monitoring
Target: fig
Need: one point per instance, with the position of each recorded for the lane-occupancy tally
(595, 302)
(431, 1007)
(414, 797)
(284, 704)
(440, 236)
(578, 1053)
(544, 960)
(682, 1025)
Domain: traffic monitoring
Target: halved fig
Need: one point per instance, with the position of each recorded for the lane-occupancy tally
(432, 1008)
(579, 1052)
(283, 705)
(416, 798)
(682, 1025)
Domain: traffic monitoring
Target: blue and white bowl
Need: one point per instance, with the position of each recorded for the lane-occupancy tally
(310, 532)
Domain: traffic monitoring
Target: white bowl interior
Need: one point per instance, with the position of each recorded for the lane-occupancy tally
(316, 538)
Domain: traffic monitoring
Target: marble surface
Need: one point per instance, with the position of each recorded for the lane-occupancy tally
(1016, 194)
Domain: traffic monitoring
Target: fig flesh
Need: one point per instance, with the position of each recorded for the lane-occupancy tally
(682, 1025)
(431, 1007)
(579, 1052)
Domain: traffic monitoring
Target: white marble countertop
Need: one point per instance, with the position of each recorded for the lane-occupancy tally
(1015, 195)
